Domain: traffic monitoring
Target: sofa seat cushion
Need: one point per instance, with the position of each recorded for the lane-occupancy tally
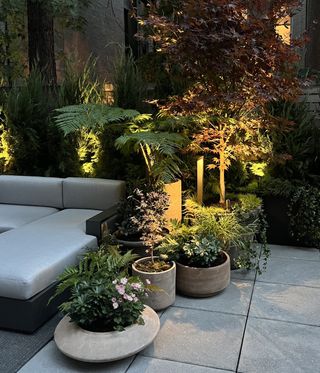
(32, 256)
(14, 216)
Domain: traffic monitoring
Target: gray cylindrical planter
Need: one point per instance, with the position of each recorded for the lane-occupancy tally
(165, 280)
(203, 282)
(93, 347)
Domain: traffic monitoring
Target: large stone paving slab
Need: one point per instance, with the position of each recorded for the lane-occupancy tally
(286, 302)
(199, 337)
(292, 272)
(280, 347)
(50, 360)
(148, 365)
(234, 299)
(305, 253)
(243, 274)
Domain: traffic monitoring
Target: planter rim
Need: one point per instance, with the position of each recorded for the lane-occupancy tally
(173, 265)
(128, 242)
(208, 268)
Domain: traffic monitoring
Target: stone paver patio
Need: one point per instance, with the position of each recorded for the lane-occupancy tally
(260, 324)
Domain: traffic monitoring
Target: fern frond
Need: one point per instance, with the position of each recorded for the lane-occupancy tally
(91, 116)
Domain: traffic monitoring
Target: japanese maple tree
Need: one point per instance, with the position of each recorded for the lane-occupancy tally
(237, 63)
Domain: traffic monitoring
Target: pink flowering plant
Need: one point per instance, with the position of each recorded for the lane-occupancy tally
(102, 305)
(103, 296)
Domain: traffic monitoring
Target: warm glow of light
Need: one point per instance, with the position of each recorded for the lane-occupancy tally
(200, 175)
(108, 93)
(284, 30)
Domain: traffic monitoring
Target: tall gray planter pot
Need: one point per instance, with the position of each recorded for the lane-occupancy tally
(203, 282)
(165, 281)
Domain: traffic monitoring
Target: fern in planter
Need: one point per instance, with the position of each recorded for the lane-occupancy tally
(107, 262)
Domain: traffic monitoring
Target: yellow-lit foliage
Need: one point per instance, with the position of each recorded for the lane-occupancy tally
(88, 151)
(5, 151)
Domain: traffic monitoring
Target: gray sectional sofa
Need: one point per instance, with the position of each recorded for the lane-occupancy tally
(45, 225)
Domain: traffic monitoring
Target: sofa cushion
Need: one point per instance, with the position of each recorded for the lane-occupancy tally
(14, 216)
(90, 193)
(31, 190)
(32, 256)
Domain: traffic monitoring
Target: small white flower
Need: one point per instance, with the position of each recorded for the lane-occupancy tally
(124, 281)
(115, 305)
(148, 282)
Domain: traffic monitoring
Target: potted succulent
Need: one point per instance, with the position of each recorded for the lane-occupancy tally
(203, 268)
(105, 317)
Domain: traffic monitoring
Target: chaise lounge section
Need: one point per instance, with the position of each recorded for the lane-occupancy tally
(46, 224)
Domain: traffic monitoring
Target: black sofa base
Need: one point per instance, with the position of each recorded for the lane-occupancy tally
(28, 315)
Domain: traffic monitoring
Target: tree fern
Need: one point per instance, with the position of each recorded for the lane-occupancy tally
(158, 150)
(91, 116)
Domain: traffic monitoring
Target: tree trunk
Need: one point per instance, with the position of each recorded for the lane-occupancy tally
(41, 40)
(222, 180)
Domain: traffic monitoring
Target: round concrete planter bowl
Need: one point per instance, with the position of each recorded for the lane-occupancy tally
(92, 347)
(166, 281)
(203, 282)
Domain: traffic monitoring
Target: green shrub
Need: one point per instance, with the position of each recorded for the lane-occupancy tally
(296, 151)
(304, 213)
(103, 296)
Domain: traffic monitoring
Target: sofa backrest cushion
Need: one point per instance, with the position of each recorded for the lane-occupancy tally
(91, 193)
(31, 190)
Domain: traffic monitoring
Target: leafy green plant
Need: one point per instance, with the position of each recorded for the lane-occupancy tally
(296, 151)
(249, 202)
(103, 296)
(107, 262)
(129, 86)
(91, 116)
(33, 139)
(143, 216)
(234, 228)
(304, 213)
(80, 86)
(278, 187)
(102, 305)
(191, 246)
(158, 150)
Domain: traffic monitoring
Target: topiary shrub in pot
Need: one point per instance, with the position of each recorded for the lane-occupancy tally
(203, 268)
(142, 204)
(150, 221)
(105, 317)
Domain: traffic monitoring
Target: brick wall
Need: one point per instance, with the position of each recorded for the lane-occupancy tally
(103, 36)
